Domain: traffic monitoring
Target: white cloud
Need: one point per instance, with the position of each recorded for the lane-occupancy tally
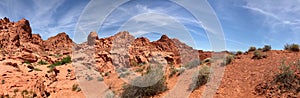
(281, 18)
(282, 12)
(44, 15)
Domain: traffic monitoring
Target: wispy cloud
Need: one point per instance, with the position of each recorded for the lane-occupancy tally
(47, 18)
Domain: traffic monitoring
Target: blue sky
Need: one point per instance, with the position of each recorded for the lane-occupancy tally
(245, 23)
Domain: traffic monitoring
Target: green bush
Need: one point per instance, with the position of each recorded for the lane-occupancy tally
(62, 62)
(37, 69)
(266, 48)
(41, 62)
(292, 47)
(201, 78)
(66, 60)
(27, 62)
(252, 48)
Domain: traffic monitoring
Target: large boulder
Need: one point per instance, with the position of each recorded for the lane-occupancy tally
(92, 38)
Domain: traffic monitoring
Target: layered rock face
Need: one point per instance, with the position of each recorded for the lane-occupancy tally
(22, 55)
(110, 51)
(17, 37)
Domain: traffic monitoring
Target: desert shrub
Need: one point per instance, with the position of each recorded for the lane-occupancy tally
(41, 62)
(266, 48)
(258, 55)
(75, 87)
(2, 81)
(292, 47)
(62, 62)
(24, 92)
(239, 52)
(286, 46)
(131, 91)
(252, 48)
(16, 90)
(285, 82)
(66, 60)
(200, 78)
(37, 69)
(259, 49)
(286, 74)
(27, 62)
(173, 71)
(228, 59)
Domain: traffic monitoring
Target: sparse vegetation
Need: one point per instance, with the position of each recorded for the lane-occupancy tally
(41, 62)
(154, 76)
(173, 71)
(284, 82)
(62, 62)
(37, 69)
(200, 78)
(266, 48)
(2, 81)
(292, 47)
(239, 52)
(24, 93)
(228, 59)
(286, 76)
(252, 48)
(258, 55)
(259, 49)
(75, 87)
(15, 92)
(27, 62)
